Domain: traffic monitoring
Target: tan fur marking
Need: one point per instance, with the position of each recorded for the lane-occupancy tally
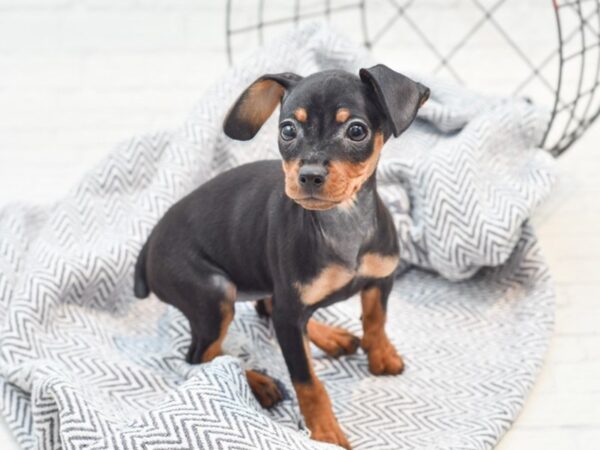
(373, 316)
(342, 115)
(290, 169)
(293, 190)
(334, 341)
(264, 388)
(343, 181)
(383, 358)
(268, 305)
(215, 349)
(374, 265)
(260, 101)
(347, 204)
(346, 178)
(330, 279)
(301, 115)
(316, 408)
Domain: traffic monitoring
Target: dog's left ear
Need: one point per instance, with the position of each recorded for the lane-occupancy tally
(256, 104)
(399, 96)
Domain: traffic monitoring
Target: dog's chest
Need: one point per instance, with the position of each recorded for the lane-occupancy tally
(345, 238)
(345, 245)
(345, 233)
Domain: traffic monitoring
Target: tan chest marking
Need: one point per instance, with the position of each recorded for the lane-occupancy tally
(335, 277)
(331, 279)
(374, 265)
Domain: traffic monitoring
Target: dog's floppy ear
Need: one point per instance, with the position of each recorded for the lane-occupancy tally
(256, 104)
(399, 96)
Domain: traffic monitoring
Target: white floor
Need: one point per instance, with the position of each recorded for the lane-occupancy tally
(78, 77)
(563, 411)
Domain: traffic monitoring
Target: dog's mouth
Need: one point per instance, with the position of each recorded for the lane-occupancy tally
(314, 203)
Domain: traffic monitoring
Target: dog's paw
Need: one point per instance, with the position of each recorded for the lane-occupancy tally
(334, 341)
(384, 359)
(329, 431)
(264, 388)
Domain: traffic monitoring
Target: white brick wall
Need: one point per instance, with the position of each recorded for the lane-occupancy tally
(79, 75)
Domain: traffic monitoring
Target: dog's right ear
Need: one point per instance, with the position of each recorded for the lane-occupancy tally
(256, 104)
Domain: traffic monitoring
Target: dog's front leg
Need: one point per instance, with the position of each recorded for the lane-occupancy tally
(383, 357)
(334, 341)
(315, 405)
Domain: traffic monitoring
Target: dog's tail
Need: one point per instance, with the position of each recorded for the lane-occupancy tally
(140, 285)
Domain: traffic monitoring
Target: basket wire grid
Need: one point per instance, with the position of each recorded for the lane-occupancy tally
(565, 78)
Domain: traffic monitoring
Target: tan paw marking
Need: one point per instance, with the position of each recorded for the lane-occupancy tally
(334, 341)
(264, 388)
(383, 358)
(316, 409)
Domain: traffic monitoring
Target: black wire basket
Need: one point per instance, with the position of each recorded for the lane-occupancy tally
(561, 72)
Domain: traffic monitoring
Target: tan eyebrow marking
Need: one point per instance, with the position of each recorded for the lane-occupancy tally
(342, 115)
(301, 115)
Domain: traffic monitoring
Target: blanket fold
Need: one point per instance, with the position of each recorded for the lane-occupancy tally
(83, 364)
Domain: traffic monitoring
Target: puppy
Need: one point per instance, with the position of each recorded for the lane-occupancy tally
(305, 232)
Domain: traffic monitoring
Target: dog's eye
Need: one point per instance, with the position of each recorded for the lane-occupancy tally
(357, 131)
(288, 131)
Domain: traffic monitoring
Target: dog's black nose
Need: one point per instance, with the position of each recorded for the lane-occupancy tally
(312, 175)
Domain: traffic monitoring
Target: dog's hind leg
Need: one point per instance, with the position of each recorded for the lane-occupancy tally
(209, 319)
(209, 314)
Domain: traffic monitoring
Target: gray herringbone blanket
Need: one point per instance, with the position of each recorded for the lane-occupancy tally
(85, 365)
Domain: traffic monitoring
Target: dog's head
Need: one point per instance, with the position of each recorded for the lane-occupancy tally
(332, 126)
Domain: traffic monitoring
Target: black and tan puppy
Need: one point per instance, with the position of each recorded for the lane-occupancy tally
(306, 233)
